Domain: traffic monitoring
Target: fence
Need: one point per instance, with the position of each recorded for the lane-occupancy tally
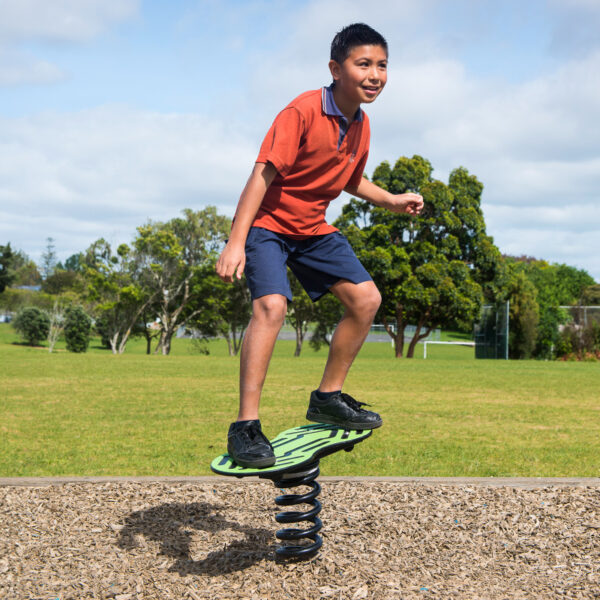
(583, 315)
(491, 333)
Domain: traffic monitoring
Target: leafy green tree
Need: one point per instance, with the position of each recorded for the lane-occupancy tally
(171, 255)
(328, 312)
(77, 328)
(219, 308)
(114, 290)
(590, 295)
(74, 262)
(556, 285)
(523, 317)
(26, 271)
(33, 324)
(300, 313)
(60, 281)
(7, 274)
(433, 269)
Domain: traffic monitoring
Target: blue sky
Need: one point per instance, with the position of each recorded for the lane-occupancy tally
(113, 112)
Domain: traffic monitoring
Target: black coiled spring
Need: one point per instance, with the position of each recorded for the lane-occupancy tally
(306, 475)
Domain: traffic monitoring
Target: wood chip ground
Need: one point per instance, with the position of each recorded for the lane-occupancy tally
(142, 541)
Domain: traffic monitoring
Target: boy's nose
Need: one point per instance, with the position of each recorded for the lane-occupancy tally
(373, 73)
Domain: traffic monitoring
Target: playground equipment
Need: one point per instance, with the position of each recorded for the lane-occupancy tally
(297, 453)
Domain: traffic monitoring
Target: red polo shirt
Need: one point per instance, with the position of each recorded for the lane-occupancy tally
(302, 145)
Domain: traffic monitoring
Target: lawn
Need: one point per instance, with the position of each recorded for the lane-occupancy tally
(450, 415)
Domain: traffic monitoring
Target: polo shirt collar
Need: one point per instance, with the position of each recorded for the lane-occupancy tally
(330, 107)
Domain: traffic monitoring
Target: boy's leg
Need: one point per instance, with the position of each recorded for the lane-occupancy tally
(268, 315)
(246, 443)
(361, 301)
(328, 404)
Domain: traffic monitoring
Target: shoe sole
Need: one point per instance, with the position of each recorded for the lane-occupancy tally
(257, 464)
(344, 424)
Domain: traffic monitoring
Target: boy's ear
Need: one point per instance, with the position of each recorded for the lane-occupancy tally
(335, 69)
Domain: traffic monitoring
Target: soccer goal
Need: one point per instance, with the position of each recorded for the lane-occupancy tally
(471, 344)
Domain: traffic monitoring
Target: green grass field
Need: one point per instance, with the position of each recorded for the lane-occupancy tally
(450, 415)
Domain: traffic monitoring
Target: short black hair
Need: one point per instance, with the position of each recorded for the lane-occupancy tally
(357, 34)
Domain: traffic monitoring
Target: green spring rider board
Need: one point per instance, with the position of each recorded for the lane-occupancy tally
(297, 455)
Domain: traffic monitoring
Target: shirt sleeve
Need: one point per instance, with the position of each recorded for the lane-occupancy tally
(281, 144)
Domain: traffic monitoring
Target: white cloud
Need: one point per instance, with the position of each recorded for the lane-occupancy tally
(19, 68)
(70, 21)
(61, 20)
(534, 144)
(103, 172)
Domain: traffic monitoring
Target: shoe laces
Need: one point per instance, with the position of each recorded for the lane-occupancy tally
(352, 403)
(254, 434)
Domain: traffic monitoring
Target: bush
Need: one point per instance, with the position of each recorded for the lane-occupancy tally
(577, 342)
(77, 329)
(33, 324)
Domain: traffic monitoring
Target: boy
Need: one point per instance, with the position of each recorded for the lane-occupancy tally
(317, 147)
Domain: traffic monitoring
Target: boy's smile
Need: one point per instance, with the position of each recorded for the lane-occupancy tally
(360, 78)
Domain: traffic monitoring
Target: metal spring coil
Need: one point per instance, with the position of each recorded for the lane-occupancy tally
(306, 476)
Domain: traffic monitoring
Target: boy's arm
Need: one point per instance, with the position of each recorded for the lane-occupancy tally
(399, 203)
(233, 258)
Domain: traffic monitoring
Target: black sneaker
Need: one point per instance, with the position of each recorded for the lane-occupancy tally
(248, 446)
(342, 410)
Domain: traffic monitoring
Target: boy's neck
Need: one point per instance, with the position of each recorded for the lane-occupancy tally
(347, 108)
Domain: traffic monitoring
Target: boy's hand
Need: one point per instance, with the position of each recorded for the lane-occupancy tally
(409, 203)
(232, 261)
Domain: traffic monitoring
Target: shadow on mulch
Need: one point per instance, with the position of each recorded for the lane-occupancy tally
(172, 526)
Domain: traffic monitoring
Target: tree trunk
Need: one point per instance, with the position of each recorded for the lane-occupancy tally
(166, 341)
(398, 335)
(124, 339)
(299, 339)
(418, 337)
(229, 346)
(113, 342)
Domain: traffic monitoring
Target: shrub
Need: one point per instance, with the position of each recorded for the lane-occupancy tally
(577, 342)
(77, 329)
(33, 324)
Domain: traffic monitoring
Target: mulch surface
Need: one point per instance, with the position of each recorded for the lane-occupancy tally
(157, 540)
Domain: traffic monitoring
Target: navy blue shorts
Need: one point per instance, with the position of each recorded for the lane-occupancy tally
(318, 262)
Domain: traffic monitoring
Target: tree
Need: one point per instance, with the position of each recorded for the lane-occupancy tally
(32, 324)
(523, 317)
(48, 259)
(433, 269)
(590, 295)
(77, 329)
(26, 271)
(115, 291)
(219, 308)
(60, 281)
(7, 274)
(300, 313)
(328, 312)
(171, 255)
(57, 321)
(556, 285)
(74, 262)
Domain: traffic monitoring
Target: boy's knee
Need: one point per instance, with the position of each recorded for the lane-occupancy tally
(367, 302)
(373, 300)
(271, 309)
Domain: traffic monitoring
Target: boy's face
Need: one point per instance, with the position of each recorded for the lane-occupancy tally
(362, 76)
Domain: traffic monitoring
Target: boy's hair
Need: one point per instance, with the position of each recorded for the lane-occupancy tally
(357, 34)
